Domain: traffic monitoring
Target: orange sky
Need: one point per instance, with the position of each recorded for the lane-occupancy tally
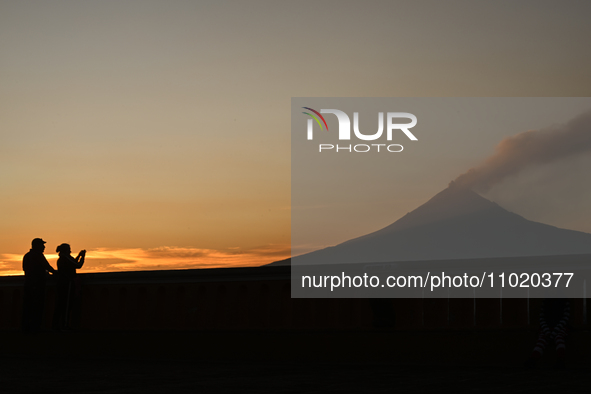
(157, 134)
(106, 260)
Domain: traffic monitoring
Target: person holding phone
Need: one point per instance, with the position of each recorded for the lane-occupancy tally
(66, 275)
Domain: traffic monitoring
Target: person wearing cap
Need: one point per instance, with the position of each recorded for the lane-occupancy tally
(36, 268)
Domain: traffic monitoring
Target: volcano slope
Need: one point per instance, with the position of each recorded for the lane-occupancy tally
(456, 223)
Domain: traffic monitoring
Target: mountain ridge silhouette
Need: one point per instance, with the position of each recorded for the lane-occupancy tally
(456, 223)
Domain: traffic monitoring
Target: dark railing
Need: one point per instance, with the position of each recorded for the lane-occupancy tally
(258, 298)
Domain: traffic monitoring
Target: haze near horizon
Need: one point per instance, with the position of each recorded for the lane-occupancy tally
(156, 134)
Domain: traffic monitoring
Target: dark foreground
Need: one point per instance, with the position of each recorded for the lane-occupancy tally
(100, 375)
(286, 362)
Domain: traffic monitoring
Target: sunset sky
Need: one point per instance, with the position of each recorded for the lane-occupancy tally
(156, 134)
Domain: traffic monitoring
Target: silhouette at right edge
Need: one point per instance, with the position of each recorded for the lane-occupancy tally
(554, 319)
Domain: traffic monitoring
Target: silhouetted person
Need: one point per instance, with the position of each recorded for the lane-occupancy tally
(554, 317)
(66, 275)
(36, 267)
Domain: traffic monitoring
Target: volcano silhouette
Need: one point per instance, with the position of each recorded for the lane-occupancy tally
(456, 223)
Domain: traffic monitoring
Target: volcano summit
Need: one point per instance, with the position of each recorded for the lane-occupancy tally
(456, 223)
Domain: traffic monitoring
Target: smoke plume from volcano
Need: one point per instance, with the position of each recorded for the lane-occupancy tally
(530, 148)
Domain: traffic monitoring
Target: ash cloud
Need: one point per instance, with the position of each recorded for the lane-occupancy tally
(528, 149)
